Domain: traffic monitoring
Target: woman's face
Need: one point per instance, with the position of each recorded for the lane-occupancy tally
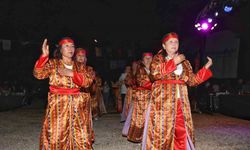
(128, 69)
(68, 50)
(171, 46)
(81, 58)
(134, 66)
(147, 60)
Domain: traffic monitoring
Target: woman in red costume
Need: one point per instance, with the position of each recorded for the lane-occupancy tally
(66, 123)
(99, 96)
(141, 100)
(81, 57)
(169, 123)
(130, 84)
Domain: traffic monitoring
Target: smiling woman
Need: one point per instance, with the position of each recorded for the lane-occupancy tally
(65, 125)
(168, 122)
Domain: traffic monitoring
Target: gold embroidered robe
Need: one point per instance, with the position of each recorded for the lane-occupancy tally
(163, 102)
(66, 122)
(140, 103)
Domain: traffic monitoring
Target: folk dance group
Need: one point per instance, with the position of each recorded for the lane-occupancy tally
(156, 107)
(156, 104)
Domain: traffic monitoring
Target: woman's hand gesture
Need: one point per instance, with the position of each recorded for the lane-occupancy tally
(209, 63)
(45, 48)
(179, 59)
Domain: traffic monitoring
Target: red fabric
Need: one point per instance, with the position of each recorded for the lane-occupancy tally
(146, 86)
(167, 67)
(81, 51)
(203, 74)
(60, 90)
(147, 54)
(66, 40)
(78, 78)
(180, 137)
(170, 82)
(170, 35)
(41, 61)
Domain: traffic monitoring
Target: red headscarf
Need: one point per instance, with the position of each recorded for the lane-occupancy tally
(170, 35)
(147, 54)
(66, 40)
(81, 51)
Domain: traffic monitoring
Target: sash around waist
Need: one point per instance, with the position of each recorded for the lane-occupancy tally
(169, 82)
(142, 88)
(67, 91)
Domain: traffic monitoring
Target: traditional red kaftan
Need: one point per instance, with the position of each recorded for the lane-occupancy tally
(140, 103)
(87, 91)
(130, 84)
(164, 122)
(66, 122)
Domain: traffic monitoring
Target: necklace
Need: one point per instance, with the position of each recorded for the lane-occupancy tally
(67, 63)
(68, 66)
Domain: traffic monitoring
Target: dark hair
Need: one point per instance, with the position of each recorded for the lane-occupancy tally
(57, 53)
(163, 52)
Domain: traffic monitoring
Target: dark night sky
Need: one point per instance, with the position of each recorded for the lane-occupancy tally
(104, 19)
(112, 21)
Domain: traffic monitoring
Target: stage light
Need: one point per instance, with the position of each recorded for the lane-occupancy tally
(216, 14)
(209, 16)
(228, 9)
(197, 25)
(209, 20)
(228, 6)
(204, 26)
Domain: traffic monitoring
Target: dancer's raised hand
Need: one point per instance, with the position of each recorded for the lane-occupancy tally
(209, 63)
(45, 48)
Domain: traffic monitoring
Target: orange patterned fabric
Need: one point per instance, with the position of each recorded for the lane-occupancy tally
(163, 104)
(88, 109)
(130, 84)
(140, 104)
(89, 116)
(94, 100)
(97, 104)
(66, 122)
(118, 98)
(99, 96)
(129, 96)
